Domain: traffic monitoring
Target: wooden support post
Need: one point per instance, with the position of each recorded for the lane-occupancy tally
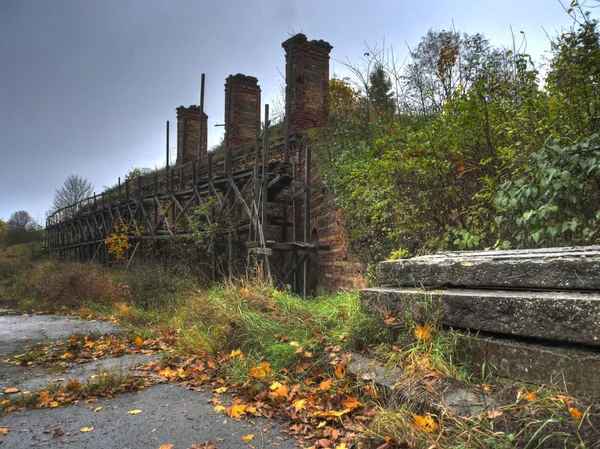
(212, 213)
(201, 133)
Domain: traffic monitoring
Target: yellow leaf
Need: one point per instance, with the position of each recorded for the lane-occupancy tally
(66, 355)
(333, 413)
(11, 390)
(248, 437)
(275, 385)
(424, 423)
(575, 413)
(341, 446)
(138, 341)
(166, 446)
(54, 404)
(423, 333)
(97, 409)
(295, 344)
(237, 410)
(88, 343)
(221, 390)
(86, 429)
(325, 385)
(134, 412)
(300, 404)
(244, 292)
(219, 408)
(236, 353)
(4, 430)
(321, 424)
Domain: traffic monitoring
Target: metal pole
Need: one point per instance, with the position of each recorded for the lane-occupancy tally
(167, 147)
(201, 136)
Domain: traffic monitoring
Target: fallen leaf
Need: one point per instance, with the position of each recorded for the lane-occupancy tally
(54, 404)
(300, 404)
(4, 430)
(575, 413)
(73, 384)
(237, 410)
(11, 390)
(86, 429)
(97, 409)
(57, 433)
(66, 355)
(166, 446)
(236, 353)
(423, 333)
(424, 423)
(134, 412)
(138, 341)
(221, 390)
(295, 344)
(340, 370)
(248, 437)
(341, 446)
(219, 408)
(351, 402)
(260, 371)
(530, 397)
(325, 385)
(493, 414)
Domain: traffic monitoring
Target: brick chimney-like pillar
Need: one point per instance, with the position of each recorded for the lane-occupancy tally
(307, 82)
(188, 134)
(242, 109)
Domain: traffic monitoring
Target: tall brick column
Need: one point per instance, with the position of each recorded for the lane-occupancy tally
(188, 134)
(307, 82)
(242, 120)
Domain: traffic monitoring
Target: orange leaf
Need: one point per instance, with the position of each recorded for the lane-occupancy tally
(575, 413)
(340, 370)
(423, 333)
(279, 390)
(11, 390)
(260, 371)
(166, 446)
(351, 402)
(424, 423)
(325, 385)
(248, 437)
(138, 341)
(530, 397)
(4, 430)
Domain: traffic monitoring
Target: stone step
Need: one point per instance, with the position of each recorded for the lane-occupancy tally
(572, 369)
(576, 268)
(436, 394)
(570, 317)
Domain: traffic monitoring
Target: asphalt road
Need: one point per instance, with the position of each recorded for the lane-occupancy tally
(170, 414)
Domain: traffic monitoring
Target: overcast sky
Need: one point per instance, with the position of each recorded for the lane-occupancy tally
(86, 86)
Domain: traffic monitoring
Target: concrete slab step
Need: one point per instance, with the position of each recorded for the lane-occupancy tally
(570, 317)
(573, 369)
(575, 268)
(437, 394)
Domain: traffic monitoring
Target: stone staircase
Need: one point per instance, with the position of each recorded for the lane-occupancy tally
(533, 315)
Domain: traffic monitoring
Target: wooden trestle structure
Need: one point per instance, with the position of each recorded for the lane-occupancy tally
(255, 183)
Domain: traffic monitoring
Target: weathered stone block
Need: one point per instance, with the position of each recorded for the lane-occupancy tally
(552, 268)
(558, 316)
(574, 368)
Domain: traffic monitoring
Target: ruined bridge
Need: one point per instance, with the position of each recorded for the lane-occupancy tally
(263, 196)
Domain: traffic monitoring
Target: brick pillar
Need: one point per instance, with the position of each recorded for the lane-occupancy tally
(188, 133)
(307, 82)
(242, 120)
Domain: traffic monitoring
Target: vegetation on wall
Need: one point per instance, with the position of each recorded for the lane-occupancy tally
(467, 146)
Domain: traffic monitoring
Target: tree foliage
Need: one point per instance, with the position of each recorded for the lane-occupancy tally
(481, 153)
(21, 228)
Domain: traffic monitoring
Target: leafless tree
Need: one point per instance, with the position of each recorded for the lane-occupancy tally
(75, 189)
(20, 220)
